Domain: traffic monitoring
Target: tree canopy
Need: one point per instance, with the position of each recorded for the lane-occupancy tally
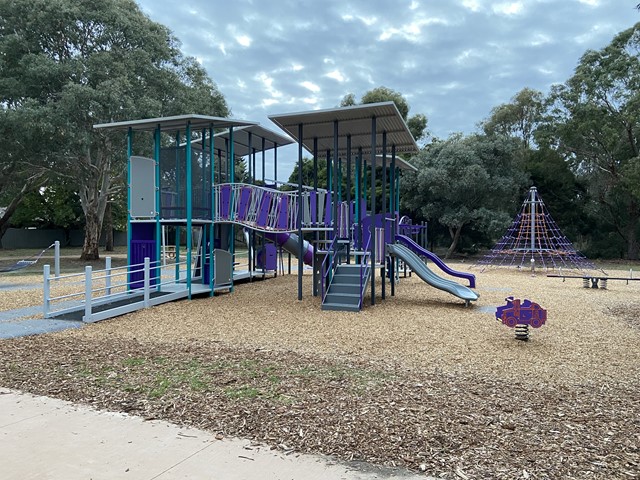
(73, 64)
(464, 180)
(594, 121)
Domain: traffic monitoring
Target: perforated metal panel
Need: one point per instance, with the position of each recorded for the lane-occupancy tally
(143, 187)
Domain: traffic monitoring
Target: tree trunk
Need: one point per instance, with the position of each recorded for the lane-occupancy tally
(633, 247)
(91, 237)
(108, 228)
(455, 235)
(94, 196)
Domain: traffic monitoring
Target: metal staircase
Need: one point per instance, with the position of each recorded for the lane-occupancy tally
(346, 288)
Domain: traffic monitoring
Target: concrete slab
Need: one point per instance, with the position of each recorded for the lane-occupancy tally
(44, 438)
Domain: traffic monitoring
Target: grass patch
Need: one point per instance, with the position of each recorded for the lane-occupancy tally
(241, 393)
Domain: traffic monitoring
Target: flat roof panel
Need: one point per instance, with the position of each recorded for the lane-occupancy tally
(175, 123)
(354, 122)
(258, 132)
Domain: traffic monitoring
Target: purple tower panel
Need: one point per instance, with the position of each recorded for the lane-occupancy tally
(243, 203)
(225, 199)
(313, 202)
(327, 210)
(143, 244)
(263, 213)
(283, 212)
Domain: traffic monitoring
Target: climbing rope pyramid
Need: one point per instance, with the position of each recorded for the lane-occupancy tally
(534, 239)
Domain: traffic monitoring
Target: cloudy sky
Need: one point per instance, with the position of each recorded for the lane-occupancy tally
(453, 60)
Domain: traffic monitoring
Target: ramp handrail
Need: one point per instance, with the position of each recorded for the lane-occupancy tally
(326, 268)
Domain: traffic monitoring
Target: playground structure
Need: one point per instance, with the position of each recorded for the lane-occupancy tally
(186, 207)
(521, 315)
(534, 239)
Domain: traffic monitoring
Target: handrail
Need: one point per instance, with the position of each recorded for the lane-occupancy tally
(262, 208)
(363, 268)
(436, 260)
(324, 270)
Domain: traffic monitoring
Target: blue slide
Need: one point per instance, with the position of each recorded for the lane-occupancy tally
(421, 269)
(435, 259)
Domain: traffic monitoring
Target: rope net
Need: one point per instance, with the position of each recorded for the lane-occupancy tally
(534, 235)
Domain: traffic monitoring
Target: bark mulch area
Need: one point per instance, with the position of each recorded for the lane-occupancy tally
(450, 425)
(417, 381)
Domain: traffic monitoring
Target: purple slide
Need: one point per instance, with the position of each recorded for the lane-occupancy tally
(435, 259)
(289, 241)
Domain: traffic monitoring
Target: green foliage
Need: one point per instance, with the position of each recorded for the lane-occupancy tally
(518, 118)
(594, 120)
(472, 181)
(53, 206)
(74, 64)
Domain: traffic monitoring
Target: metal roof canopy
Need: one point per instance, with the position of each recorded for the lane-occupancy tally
(175, 123)
(401, 163)
(353, 121)
(241, 139)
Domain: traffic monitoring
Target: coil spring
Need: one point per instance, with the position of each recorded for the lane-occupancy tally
(522, 332)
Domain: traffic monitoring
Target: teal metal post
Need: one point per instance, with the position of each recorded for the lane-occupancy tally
(177, 192)
(129, 233)
(156, 268)
(394, 211)
(372, 225)
(231, 161)
(336, 174)
(300, 238)
(358, 202)
(211, 248)
(189, 181)
(364, 181)
(383, 260)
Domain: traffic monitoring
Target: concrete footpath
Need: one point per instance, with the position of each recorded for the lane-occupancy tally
(45, 438)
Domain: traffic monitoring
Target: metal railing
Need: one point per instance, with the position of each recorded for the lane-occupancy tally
(120, 286)
(327, 268)
(364, 268)
(266, 209)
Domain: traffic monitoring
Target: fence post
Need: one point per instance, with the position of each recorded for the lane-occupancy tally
(56, 258)
(87, 293)
(147, 263)
(107, 274)
(47, 291)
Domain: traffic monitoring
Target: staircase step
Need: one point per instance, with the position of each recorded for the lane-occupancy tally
(346, 298)
(353, 288)
(340, 307)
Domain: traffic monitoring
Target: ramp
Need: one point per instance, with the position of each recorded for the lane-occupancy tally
(419, 267)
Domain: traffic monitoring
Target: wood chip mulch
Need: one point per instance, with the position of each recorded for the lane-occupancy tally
(447, 425)
(417, 381)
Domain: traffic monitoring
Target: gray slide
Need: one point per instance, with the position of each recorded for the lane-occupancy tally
(418, 266)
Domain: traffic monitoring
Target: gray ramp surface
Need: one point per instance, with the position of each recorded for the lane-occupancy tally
(419, 267)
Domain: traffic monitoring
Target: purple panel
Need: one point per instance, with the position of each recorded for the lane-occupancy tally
(225, 199)
(283, 212)
(327, 209)
(243, 203)
(263, 214)
(267, 257)
(313, 202)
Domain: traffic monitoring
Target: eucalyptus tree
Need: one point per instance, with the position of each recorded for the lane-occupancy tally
(595, 124)
(81, 63)
(466, 181)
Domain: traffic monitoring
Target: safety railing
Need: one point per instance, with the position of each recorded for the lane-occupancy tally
(365, 270)
(117, 290)
(328, 266)
(267, 209)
